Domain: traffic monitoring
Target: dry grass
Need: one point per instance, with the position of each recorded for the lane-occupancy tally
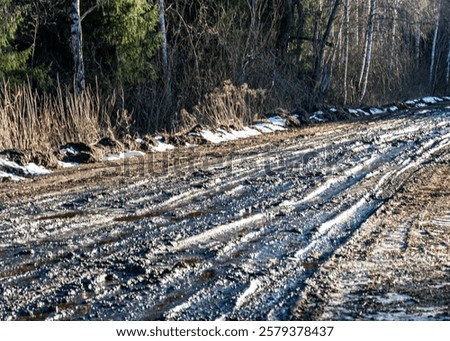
(231, 105)
(42, 122)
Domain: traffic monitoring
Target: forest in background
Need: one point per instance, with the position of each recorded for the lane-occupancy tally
(77, 70)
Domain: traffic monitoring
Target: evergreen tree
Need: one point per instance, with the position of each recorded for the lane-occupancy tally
(122, 38)
(13, 62)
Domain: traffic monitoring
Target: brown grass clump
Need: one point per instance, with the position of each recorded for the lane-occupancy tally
(230, 105)
(43, 122)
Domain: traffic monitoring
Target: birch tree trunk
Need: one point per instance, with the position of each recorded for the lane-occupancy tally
(318, 65)
(433, 49)
(394, 35)
(76, 42)
(346, 46)
(368, 50)
(164, 51)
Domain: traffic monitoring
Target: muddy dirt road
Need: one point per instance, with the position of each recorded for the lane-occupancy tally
(336, 221)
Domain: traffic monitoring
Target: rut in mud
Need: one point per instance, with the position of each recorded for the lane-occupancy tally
(335, 221)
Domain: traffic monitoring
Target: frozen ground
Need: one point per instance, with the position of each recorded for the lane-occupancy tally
(336, 221)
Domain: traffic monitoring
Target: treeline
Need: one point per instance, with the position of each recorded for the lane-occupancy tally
(165, 64)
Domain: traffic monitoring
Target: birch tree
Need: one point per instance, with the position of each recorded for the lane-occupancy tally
(368, 50)
(346, 46)
(318, 75)
(76, 43)
(433, 48)
(164, 51)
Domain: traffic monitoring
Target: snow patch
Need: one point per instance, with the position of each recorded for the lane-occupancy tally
(393, 108)
(267, 128)
(212, 137)
(377, 111)
(277, 120)
(31, 169)
(67, 164)
(123, 155)
(361, 111)
(34, 169)
(10, 176)
(317, 116)
(162, 147)
(431, 100)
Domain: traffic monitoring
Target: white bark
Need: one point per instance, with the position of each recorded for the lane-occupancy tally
(368, 50)
(433, 49)
(164, 51)
(394, 35)
(76, 42)
(346, 46)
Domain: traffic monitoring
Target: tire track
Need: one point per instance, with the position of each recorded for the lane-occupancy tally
(228, 236)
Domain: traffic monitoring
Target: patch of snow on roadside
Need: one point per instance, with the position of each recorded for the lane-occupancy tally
(267, 128)
(245, 132)
(262, 128)
(123, 155)
(411, 102)
(221, 135)
(365, 113)
(34, 169)
(69, 150)
(162, 146)
(30, 169)
(317, 116)
(67, 164)
(10, 176)
(393, 108)
(277, 120)
(377, 111)
(431, 100)
(208, 135)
